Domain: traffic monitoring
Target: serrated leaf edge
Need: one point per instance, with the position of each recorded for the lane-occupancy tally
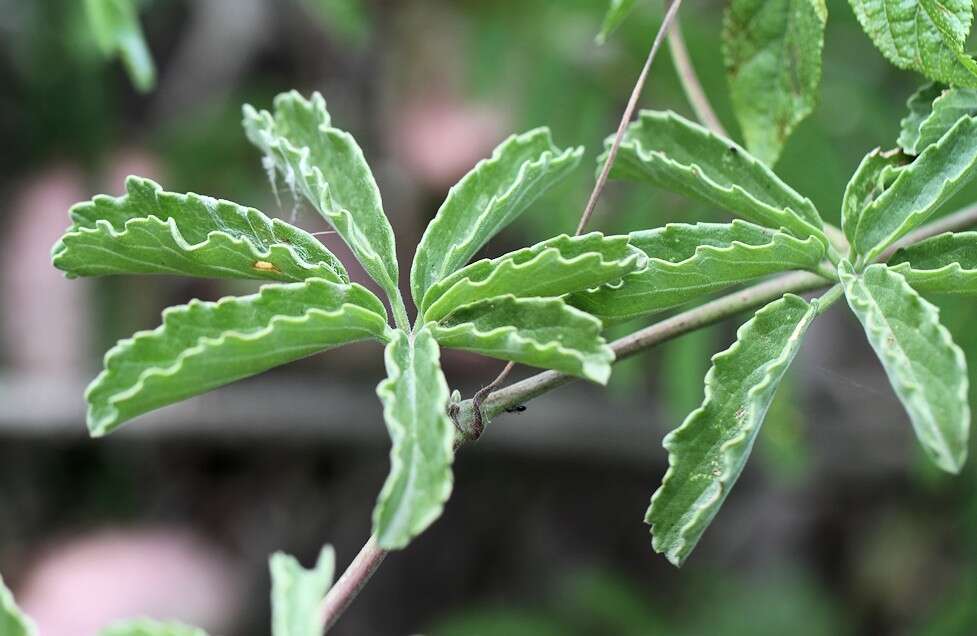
(505, 265)
(696, 172)
(104, 228)
(598, 371)
(912, 389)
(703, 508)
(102, 426)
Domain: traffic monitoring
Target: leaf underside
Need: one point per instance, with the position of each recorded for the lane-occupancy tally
(146, 627)
(927, 36)
(706, 454)
(115, 25)
(486, 200)
(149, 231)
(13, 622)
(944, 264)
(554, 267)
(204, 345)
(297, 593)
(539, 332)
(671, 152)
(689, 261)
(933, 111)
(415, 398)
(327, 167)
(773, 48)
(926, 369)
(919, 189)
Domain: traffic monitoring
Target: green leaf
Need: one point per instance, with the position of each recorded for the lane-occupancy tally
(297, 593)
(204, 345)
(933, 110)
(927, 370)
(13, 622)
(926, 36)
(944, 264)
(772, 50)
(706, 454)
(690, 261)
(415, 399)
(617, 11)
(487, 199)
(146, 627)
(919, 189)
(540, 332)
(673, 153)
(149, 231)
(555, 267)
(874, 174)
(117, 32)
(327, 166)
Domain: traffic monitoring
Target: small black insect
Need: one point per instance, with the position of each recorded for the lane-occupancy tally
(519, 408)
(733, 150)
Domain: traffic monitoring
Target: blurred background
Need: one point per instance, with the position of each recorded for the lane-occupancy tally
(837, 526)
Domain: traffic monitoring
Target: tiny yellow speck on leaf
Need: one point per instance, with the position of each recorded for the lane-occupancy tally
(265, 266)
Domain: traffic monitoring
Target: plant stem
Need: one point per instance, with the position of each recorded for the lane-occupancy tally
(350, 583)
(828, 299)
(690, 81)
(588, 210)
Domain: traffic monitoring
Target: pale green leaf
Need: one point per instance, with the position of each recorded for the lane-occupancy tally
(873, 176)
(415, 401)
(146, 627)
(617, 11)
(926, 36)
(117, 32)
(917, 191)
(13, 622)
(933, 110)
(327, 166)
(486, 200)
(149, 231)
(689, 261)
(204, 345)
(706, 454)
(772, 50)
(540, 332)
(673, 153)
(297, 593)
(927, 370)
(944, 264)
(555, 267)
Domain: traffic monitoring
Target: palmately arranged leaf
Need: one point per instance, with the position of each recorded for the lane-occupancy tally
(115, 25)
(944, 264)
(146, 627)
(539, 332)
(415, 400)
(486, 200)
(673, 153)
(927, 370)
(13, 622)
(689, 261)
(706, 454)
(926, 36)
(554, 267)
(617, 11)
(327, 166)
(772, 50)
(297, 593)
(149, 231)
(933, 110)
(203, 345)
(873, 176)
(917, 191)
